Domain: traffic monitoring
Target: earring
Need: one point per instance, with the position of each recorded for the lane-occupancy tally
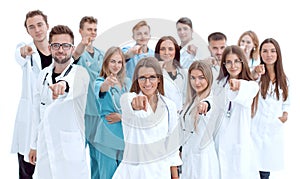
(253, 48)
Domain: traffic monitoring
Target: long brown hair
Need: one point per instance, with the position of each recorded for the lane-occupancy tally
(176, 60)
(281, 79)
(147, 62)
(245, 73)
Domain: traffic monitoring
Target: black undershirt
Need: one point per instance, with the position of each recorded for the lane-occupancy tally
(173, 77)
(45, 60)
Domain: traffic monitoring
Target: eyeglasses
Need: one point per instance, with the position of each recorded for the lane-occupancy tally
(65, 46)
(236, 62)
(151, 78)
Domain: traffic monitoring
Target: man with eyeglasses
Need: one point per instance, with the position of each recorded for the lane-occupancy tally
(58, 140)
(32, 57)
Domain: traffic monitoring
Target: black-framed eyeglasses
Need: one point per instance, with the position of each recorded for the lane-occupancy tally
(65, 46)
(236, 62)
(151, 78)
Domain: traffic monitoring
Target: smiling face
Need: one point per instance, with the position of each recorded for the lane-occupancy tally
(198, 81)
(247, 43)
(233, 65)
(148, 81)
(184, 32)
(167, 51)
(61, 55)
(142, 35)
(115, 63)
(89, 29)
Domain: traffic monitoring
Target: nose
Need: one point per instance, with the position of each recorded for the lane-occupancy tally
(60, 49)
(197, 81)
(147, 81)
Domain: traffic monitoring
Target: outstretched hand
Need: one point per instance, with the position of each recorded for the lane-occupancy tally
(234, 84)
(139, 103)
(58, 89)
(26, 51)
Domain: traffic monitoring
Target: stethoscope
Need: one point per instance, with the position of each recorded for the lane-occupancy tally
(162, 99)
(184, 116)
(178, 73)
(46, 83)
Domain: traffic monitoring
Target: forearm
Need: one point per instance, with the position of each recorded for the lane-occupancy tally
(174, 172)
(78, 51)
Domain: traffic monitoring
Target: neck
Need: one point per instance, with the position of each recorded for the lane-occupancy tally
(169, 66)
(59, 68)
(90, 48)
(42, 46)
(271, 73)
(270, 68)
(152, 99)
(184, 43)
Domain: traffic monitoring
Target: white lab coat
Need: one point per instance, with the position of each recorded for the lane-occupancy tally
(268, 131)
(58, 126)
(31, 67)
(151, 143)
(199, 154)
(176, 89)
(233, 140)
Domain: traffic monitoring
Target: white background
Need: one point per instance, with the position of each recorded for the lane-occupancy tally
(268, 18)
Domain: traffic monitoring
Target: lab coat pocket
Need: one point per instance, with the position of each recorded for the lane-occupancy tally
(241, 159)
(275, 127)
(72, 145)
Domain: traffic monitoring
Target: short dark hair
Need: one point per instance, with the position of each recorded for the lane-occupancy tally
(60, 29)
(89, 19)
(186, 21)
(216, 36)
(31, 14)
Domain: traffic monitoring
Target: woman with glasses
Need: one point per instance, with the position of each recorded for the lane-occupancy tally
(149, 123)
(235, 99)
(109, 86)
(272, 109)
(198, 152)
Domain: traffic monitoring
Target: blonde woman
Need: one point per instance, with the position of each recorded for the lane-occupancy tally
(198, 152)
